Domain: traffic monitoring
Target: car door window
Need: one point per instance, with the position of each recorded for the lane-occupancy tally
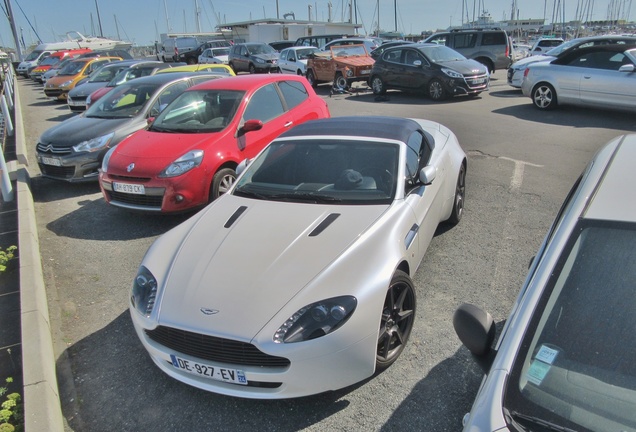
(294, 93)
(394, 56)
(464, 40)
(607, 60)
(264, 105)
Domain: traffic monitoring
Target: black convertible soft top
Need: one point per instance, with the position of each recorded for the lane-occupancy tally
(396, 128)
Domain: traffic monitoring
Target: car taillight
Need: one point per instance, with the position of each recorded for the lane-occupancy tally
(525, 72)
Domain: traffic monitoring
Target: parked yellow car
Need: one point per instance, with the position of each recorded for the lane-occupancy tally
(214, 68)
(66, 79)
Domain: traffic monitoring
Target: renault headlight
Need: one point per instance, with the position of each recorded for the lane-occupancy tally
(451, 73)
(182, 165)
(144, 292)
(316, 320)
(94, 144)
(107, 156)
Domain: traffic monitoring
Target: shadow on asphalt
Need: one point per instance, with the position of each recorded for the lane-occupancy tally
(570, 116)
(125, 393)
(95, 219)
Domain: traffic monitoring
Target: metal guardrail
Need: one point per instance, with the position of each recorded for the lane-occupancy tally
(6, 124)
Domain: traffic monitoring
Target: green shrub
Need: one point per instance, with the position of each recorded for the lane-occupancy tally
(5, 257)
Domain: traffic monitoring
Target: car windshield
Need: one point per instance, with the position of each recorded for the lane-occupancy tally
(219, 52)
(323, 171)
(72, 68)
(577, 363)
(124, 101)
(304, 53)
(50, 61)
(260, 49)
(348, 51)
(104, 74)
(199, 111)
(440, 53)
(32, 56)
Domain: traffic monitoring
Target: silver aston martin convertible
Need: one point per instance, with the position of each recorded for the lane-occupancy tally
(298, 280)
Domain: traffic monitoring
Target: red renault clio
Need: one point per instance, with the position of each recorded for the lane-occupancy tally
(188, 155)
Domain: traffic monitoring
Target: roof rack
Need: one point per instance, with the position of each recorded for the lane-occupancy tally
(475, 29)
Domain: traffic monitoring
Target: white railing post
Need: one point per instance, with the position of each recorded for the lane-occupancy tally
(8, 124)
(8, 92)
(5, 181)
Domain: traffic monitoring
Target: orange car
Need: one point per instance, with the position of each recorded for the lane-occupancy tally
(343, 65)
(66, 79)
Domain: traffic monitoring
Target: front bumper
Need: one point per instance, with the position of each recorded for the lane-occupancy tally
(314, 371)
(165, 195)
(515, 77)
(65, 164)
(56, 93)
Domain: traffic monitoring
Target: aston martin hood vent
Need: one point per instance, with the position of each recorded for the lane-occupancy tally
(324, 224)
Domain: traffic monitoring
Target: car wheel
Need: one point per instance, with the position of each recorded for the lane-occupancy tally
(231, 65)
(311, 78)
(490, 67)
(252, 69)
(396, 322)
(340, 83)
(378, 85)
(544, 96)
(191, 61)
(298, 72)
(460, 195)
(436, 90)
(221, 182)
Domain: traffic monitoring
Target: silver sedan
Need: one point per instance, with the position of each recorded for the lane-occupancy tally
(599, 76)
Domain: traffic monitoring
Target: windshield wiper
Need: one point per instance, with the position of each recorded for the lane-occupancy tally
(305, 196)
(541, 422)
(249, 194)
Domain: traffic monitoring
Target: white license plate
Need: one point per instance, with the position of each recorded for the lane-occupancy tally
(479, 81)
(136, 189)
(365, 72)
(77, 103)
(234, 376)
(51, 161)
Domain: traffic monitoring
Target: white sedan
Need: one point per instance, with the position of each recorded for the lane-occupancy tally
(214, 56)
(294, 59)
(297, 281)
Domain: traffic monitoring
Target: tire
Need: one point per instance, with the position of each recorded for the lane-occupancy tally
(460, 196)
(311, 78)
(340, 82)
(396, 321)
(221, 182)
(191, 60)
(252, 69)
(231, 65)
(544, 96)
(486, 62)
(298, 72)
(436, 90)
(378, 86)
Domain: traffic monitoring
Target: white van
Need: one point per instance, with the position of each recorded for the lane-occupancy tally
(172, 47)
(32, 60)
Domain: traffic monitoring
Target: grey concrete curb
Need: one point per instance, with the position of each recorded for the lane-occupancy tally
(42, 407)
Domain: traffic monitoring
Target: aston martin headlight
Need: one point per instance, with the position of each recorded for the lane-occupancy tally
(94, 144)
(185, 163)
(144, 291)
(451, 73)
(316, 320)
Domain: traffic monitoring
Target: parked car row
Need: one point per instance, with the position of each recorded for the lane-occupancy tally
(275, 172)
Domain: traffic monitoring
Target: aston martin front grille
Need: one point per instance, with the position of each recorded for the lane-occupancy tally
(213, 348)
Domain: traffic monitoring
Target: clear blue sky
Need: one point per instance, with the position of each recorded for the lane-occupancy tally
(141, 21)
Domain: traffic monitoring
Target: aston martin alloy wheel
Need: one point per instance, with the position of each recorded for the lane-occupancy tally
(396, 321)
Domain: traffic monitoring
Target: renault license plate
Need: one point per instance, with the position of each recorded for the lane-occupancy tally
(234, 376)
(136, 189)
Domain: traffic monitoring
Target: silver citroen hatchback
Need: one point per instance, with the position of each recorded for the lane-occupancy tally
(566, 358)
